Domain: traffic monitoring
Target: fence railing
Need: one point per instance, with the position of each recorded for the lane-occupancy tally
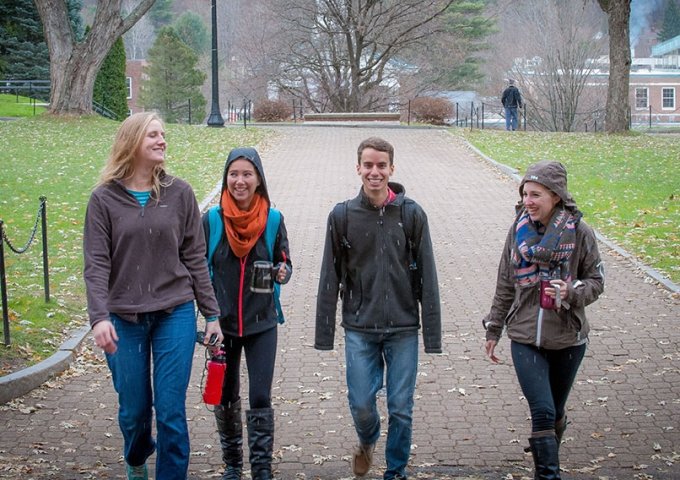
(239, 112)
(649, 117)
(39, 90)
(492, 115)
(103, 111)
(41, 219)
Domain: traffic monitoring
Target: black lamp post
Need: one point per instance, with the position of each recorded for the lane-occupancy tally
(215, 119)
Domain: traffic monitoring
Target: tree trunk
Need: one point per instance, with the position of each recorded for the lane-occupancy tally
(618, 108)
(74, 65)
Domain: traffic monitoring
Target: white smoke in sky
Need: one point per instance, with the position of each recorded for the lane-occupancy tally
(640, 12)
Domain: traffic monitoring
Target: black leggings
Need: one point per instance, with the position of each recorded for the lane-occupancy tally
(260, 357)
(546, 377)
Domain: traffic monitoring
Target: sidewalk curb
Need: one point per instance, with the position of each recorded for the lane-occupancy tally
(20, 383)
(646, 269)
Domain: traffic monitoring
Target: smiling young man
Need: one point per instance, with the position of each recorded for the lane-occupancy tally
(378, 257)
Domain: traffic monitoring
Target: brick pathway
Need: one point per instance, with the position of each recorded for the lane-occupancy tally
(470, 418)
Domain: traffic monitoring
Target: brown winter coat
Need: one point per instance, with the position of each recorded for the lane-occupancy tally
(518, 310)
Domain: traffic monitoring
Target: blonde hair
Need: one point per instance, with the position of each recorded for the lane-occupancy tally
(120, 164)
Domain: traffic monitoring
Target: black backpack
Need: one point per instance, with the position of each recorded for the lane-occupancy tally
(407, 223)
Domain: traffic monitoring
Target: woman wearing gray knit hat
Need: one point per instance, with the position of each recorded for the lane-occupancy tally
(549, 271)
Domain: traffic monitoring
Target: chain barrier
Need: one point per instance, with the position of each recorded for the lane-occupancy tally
(34, 231)
(42, 216)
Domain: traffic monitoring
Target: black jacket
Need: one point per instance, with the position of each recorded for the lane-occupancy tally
(511, 97)
(380, 292)
(243, 312)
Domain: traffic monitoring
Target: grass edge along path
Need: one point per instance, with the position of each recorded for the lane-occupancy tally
(61, 158)
(628, 186)
(12, 106)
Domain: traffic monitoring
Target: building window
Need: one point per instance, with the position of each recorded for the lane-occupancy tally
(642, 97)
(128, 84)
(668, 98)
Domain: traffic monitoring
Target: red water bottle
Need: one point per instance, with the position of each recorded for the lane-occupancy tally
(216, 366)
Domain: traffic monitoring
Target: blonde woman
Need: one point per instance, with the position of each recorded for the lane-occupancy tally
(145, 265)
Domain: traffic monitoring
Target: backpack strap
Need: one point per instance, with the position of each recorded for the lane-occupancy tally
(341, 209)
(270, 233)
(216, 229)
(407, 222)
(271, 230)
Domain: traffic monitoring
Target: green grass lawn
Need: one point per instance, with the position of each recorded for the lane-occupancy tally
(628, 186)
(61, 159)
(11, 106)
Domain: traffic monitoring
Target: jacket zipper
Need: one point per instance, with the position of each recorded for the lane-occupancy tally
(243, 262)
(382, 265)
(539, 327)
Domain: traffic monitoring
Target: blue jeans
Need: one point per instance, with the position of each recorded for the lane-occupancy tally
(169, 339)
(368, 356)
(546, 378)
(511, 118)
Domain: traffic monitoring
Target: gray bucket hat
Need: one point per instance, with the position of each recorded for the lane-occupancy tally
(551, 175)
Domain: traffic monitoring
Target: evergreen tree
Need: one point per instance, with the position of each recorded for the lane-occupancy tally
(74, 8)
(468, 25)
(110, 87)
(671, 22)
(193, 31)
(161, 13)
(173, 79)
(23, 52)
(450, 59)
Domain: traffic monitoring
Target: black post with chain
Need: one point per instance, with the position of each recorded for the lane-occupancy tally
(41, 219)
(3, 287)
(46, 268)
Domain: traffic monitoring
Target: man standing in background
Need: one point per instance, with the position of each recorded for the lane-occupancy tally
(512, 100)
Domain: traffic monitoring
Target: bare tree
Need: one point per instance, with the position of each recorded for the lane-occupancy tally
(618, 13)
(74, 65)
(341, 54)
(563, 39)
(140, 37)
(253, 48)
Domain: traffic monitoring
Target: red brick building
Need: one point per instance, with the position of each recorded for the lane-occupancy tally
(134, 75)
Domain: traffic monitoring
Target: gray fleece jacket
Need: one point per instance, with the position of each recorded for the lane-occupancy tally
(144, 259)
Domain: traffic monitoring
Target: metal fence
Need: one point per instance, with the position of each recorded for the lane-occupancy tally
(39, 92)
(239, 112)
(492, 115)
(41, 219)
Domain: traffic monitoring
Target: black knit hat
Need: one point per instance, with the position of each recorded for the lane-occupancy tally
(551, 175)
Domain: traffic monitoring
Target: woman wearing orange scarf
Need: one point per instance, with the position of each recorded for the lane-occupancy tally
(248, 317)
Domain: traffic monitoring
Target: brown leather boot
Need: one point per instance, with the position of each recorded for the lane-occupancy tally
(362, 459)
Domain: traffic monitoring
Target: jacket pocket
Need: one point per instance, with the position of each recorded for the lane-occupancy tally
(352, 297)
(573, 320)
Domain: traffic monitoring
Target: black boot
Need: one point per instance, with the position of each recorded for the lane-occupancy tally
(261, 442)
(546, 458)
(230, 429)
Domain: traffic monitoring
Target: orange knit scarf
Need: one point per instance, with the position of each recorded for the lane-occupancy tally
(243, 227)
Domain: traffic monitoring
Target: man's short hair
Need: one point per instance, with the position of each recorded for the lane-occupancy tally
(376, 143)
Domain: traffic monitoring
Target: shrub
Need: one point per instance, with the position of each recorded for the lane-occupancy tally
(431, 110)
(272, 111)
